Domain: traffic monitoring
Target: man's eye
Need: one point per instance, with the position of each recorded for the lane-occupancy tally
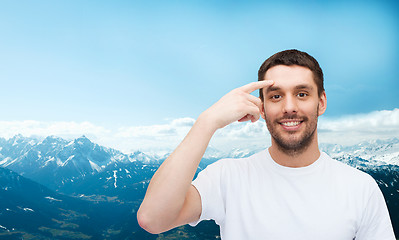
(302, 94)
(275, 97)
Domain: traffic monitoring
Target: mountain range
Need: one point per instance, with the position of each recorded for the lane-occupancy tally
(77, 189)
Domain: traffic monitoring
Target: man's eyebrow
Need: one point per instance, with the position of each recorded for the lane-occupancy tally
(272, 88)
(298, 87)
(304, 86)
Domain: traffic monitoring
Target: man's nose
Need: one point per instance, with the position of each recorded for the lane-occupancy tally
(290, 105)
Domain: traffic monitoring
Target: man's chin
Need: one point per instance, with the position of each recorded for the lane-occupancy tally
(293, 144)
(290, 146)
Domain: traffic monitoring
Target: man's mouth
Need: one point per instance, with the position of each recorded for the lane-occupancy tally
(291, 124)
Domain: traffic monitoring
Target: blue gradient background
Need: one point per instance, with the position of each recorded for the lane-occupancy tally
(117, 63)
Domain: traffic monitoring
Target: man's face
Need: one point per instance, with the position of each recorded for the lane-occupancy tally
(291, 107)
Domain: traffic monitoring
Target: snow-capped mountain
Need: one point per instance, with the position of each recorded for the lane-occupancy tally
(54, 161)
(370, 153)
(147, 157)
(214, 153)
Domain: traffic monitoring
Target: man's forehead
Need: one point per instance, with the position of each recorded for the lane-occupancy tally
(290, 77)
(287, 69)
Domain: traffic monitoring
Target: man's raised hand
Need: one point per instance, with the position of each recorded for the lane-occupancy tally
(237, 105)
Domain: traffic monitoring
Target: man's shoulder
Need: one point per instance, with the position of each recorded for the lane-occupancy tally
(345, 171)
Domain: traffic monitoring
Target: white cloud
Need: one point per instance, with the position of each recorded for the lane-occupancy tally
(349, 129)
(183, 122)
(352, 129)
(62, 129)
(378, 121)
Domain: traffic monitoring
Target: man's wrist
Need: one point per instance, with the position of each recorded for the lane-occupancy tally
(206, 124)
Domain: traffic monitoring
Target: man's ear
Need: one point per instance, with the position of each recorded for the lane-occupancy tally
(322, 103)
(262, 110)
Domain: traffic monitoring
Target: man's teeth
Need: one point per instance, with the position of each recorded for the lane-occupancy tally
(290, 124)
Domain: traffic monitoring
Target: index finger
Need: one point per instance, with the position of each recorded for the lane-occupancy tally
(250, 87)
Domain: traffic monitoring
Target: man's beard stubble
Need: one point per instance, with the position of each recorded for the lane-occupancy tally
(299, 144)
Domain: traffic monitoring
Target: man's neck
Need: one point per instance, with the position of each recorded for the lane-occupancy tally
(296, 160)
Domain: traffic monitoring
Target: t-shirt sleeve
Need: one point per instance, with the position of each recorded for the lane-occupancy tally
(209, 185)
(375, 223)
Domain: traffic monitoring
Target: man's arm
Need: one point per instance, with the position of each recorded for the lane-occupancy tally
(171, 200)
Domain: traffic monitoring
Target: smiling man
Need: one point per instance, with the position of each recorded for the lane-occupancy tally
(290, 190)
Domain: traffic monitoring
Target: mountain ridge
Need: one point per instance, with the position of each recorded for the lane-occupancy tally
(56, 162)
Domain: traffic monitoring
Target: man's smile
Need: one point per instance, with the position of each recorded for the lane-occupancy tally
(291, 124)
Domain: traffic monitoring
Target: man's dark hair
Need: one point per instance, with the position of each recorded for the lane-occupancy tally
(289, 58)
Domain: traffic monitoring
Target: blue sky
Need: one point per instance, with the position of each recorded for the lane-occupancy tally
(137, 63)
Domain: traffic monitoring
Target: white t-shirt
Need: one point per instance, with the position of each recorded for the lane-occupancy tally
(256, 198)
